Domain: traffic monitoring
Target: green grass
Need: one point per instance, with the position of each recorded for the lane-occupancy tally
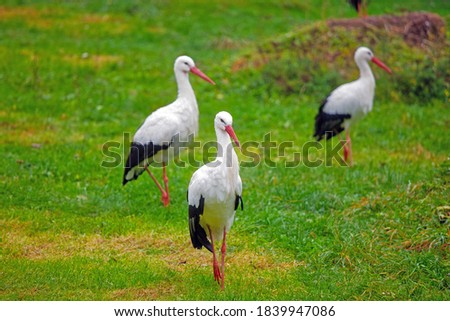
(78, 74)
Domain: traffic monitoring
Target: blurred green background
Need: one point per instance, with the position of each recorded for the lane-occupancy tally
(77, 74)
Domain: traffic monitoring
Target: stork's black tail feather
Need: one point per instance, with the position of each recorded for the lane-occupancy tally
(138, 154)
(328, 125)
(237, 201)
(198, 234)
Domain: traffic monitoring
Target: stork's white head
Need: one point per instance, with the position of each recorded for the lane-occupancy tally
(186, 64)
(224, 121)
(364, 55)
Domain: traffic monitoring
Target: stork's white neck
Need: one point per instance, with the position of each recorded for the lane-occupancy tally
(365, 72)
(184, 86)
(225, 151)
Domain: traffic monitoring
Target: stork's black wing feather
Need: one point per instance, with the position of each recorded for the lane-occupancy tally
(237, 201)
(198, 234)
(138, 153)
(328, 125)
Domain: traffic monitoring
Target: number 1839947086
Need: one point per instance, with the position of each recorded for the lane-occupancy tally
(291, 310)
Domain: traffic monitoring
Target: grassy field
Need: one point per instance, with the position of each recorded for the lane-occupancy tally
(75, 75)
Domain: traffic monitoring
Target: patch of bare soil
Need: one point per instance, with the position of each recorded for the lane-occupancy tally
(422, 30)
(416, 28)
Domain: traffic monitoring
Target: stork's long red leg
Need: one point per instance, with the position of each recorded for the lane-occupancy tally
(216, 269)
(224, 250)
(345, 145)
(349, 144)
(362, 9)
(165, 196)
(364, 5)
(163, 192)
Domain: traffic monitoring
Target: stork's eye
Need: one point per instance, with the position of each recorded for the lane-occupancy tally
(186, 63)
(223, 122)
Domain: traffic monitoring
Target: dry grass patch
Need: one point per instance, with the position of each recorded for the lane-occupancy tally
(174, 252)
(415, 154)
(92, 61)
(113, 24)
(20, 130)
(22, 243)
(163, 289)
(46, 19)
(157, 30)
(26, 134)
(28, 13)
(34, 18)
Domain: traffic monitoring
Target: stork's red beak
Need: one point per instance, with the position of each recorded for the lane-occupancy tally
(233, 136)
(378, 62)
(199, 73)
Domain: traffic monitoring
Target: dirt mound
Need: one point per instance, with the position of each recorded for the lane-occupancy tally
(417, 28)
(336, 37)
(313, 58)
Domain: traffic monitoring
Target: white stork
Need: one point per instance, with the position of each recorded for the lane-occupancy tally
(349, 102)
(167, 130)
(214, 194)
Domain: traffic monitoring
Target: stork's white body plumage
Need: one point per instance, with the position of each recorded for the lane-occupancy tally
(219, 185)
(175, 125)
(214, 194)
(354, 99)
(349, 102)
(166, 131)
